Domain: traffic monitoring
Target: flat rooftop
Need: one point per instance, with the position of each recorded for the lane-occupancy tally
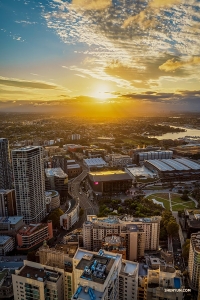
(74, 166)
(85, 295)
(129, 268)
(12, 220)
(51, 193)
(141, 171)
(39, 274)
(115, 175)
(94, 162)
(4, 239)
(31, 228)
(58, 172)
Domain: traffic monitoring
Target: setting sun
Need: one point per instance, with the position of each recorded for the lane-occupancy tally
(101, 92)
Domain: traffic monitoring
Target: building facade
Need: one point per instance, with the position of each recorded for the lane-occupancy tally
(33, 235)
(7, 244)
(7, 203)
(194, 260)
(5, 166)
(29, 183)
(139, 234)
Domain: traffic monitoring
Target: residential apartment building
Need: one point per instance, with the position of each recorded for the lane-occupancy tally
(56, 179)
(5, 166)
(194, 260)
(139, 234)
(29, 183)
(7, 244)
(10, 225)
(38, 282)
(104, 275)
(119, 160)
(34, 234)
(158, 282)
(7, 203)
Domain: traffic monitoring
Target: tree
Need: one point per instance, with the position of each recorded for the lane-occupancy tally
(186, 249)
(185, 197)
(55, 217)
(172, 228)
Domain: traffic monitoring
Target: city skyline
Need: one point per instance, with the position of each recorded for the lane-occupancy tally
(130, 54)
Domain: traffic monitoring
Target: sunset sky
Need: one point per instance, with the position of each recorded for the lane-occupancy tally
(137, 53)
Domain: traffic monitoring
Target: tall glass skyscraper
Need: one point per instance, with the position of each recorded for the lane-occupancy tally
(29, 183)
(5, 167)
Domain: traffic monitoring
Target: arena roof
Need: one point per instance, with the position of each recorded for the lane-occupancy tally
(160, 165)
(175, 164)
(178, 164)
(189, 163)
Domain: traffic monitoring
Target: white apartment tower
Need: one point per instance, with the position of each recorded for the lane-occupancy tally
(194, 260)
(29, 183)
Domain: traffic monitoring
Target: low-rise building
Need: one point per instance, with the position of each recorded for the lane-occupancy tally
(10, 225)
(7, 244)
(73, 170)
(34, 234)
(70, 217)
(109, 182)
(56, 179)
(94, 163)
(160, 282)
(52, 199)
(119, 160)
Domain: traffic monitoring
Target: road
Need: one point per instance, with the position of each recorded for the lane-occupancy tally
(76, 193)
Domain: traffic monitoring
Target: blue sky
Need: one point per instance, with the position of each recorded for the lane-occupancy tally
(120, 50)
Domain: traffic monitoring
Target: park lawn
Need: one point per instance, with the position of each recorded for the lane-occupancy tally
(158, 198)
(162, 195)
(154, 188)
(184, 204)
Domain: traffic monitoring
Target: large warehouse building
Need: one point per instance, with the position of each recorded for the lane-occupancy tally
(174, 169)
(109, 182)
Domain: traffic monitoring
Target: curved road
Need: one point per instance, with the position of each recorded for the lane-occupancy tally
(76, 193)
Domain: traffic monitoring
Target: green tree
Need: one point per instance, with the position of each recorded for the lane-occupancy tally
(172, 228)
(55, 217)
(186, 249)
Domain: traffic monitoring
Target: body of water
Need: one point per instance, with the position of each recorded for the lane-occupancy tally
(176, 135)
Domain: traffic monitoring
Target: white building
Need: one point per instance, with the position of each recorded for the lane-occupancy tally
(75, 136)
(194, 260)
(119, 160)
(29, 183)
(70, 217)
(6, 244)
(104, 275)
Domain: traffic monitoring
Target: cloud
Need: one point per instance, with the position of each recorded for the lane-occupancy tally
(91, 4)
(172, 64)
(164, 3)
(26, 84)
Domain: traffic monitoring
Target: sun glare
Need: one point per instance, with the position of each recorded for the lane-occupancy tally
(102, 92)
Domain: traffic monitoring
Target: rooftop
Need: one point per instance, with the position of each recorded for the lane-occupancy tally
(58, 172)
(94, 162)
(39, 274)
(74, 166)
(12, 220)
(4, 239)
(30, 229)
(51, 193)
(129, 267)
(109, 176)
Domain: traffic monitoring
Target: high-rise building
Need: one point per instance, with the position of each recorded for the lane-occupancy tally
(7, 203)
(104, 275)
(38, 282)
(194, 260)
(5, 167)
(139, 234)
(29, 183)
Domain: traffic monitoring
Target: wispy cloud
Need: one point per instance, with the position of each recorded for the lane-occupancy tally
(172, 64)
(91, 4)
